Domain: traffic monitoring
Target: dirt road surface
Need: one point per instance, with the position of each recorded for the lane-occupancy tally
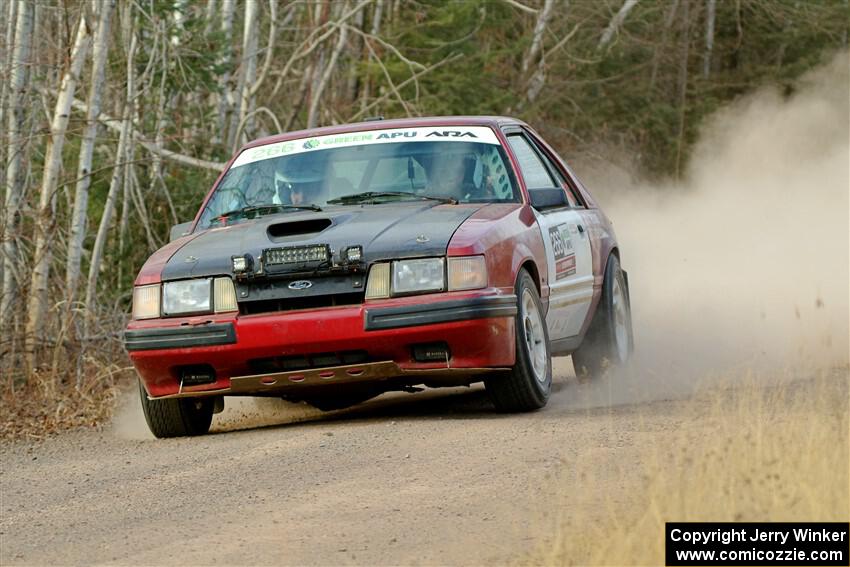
(429, 478)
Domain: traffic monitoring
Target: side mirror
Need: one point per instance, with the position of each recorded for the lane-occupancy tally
(179, 230)
(548, 198)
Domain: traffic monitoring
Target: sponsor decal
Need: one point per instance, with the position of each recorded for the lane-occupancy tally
(562, 248)
(346, 140)
(266, 152)
(478, 134)
(391, 135)
(451, 134)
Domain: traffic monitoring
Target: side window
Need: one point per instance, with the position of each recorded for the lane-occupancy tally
(562, 179)
(533, 171)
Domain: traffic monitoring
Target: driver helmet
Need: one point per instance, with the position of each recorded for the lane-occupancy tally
(302, 178)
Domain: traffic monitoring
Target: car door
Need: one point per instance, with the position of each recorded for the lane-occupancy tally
(569, 264)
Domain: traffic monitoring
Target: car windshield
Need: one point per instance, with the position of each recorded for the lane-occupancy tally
(444, 164)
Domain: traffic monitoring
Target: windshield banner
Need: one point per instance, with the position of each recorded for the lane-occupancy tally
(478, 134)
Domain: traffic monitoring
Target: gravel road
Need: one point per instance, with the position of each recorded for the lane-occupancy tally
(429, 478)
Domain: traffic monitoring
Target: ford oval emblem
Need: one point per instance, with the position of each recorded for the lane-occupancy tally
(300, 284)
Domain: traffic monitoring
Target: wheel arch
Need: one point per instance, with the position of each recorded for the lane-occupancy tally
(530, 266)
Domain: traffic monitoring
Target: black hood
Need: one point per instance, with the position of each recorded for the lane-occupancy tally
(387, 231)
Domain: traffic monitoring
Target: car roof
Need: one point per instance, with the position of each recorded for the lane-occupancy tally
(491, 121)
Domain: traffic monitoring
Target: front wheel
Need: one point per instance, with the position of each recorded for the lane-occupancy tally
(177, 417)
(529, 383)
(609, 340)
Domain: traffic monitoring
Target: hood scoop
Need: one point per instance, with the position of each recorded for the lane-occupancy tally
(298, 228)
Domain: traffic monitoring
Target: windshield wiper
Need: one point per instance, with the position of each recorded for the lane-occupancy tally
(267, 210)
(358, 198)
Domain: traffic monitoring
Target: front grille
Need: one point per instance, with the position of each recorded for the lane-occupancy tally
(295, 303)
(307, 361)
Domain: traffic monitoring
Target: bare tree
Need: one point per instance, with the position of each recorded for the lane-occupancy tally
(313, 110)
(682, 81)
(710, 9)
(81, 197)
(121, 159)
(615, 23)
(8, 22)
(535, 83)
(225, 94)
(18, 80)
(183, 159)
(45, 221)
(247, 76)
(660, 48)
(374, 31)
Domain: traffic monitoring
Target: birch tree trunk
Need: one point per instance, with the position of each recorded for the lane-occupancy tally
(225, 92)
(356, 52)
(615, 23)
(537, 37)
(9, 23)
(209, 16)
(710, 10)
(79, 216)
(45, 220)
(683, 83)
(121, 162)
(669, 18)
(315, 99)
(535, 83)
(375, 30)
(18, 80)
(243, 122)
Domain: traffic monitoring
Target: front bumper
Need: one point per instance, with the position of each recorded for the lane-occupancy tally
(477, 328)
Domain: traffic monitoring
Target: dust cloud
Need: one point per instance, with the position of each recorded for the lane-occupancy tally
(743, 265)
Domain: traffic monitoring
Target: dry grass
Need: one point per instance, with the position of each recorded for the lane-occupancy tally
(743, 453)
(48, 404)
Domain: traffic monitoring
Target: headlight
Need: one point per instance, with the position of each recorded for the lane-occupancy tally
(467, 272)
(418, 276)
(423, 275)
(146, 301)
(186, 296)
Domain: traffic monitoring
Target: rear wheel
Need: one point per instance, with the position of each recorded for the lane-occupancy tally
(609, 340)
(528, 384)
(177, 417)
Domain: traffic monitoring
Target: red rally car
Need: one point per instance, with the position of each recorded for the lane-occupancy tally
(334, 264)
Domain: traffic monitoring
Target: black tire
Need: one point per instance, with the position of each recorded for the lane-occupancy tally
(603, 347)
(333, 403)
(177, 417)
(521, 389)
